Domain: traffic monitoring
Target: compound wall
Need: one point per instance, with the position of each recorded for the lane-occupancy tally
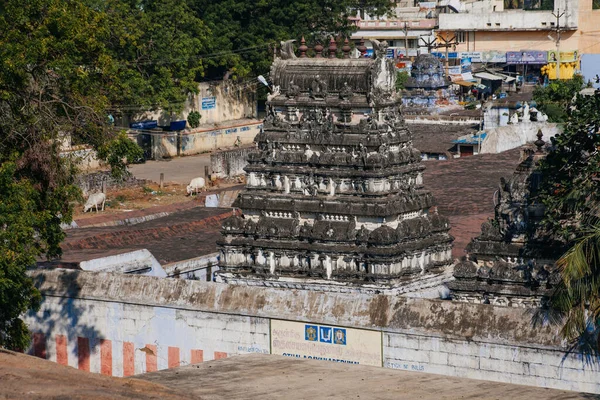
(122, 325)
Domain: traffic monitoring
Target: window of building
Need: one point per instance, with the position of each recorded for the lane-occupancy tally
(596, 4)
(461, 37)
(529, 4)
(413, 43)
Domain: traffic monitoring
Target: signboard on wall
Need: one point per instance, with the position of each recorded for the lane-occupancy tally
(493, 57)
(565, 56)
(326, 342)
(465, 65)
(526, 57)
(475, 56)
(208, 103)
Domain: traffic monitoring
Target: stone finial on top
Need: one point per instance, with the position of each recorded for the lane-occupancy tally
(318, 50)
(346, 48)
(539, 142)
(332, 48)
(303, 48)
(361, 47)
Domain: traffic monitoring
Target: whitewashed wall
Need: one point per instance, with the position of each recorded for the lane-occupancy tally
(137, 323)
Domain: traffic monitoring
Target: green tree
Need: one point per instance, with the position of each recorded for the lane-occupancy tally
(570, 192)
(152, 53)
(401, 79)
(555, 98)
(63, 65)
(247, 31)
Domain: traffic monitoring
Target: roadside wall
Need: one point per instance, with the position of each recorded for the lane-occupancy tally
(165, 145)
(122, 325)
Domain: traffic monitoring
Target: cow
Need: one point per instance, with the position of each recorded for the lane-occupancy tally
(95, 200)
(195, 184)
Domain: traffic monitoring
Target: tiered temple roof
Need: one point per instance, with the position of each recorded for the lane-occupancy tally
(334, 197)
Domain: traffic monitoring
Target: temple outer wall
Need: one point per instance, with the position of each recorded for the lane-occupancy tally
(123, 325)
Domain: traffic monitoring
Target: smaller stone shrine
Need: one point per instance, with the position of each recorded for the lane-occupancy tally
(511, 262)
(427, 84)
(427, 73)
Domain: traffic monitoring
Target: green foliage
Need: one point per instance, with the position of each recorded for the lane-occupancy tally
(401, 78)
(194, 119)
(570, 192)
(554, 98)
(251, 29)
(577, 297)
(19, 215)
(119, 152)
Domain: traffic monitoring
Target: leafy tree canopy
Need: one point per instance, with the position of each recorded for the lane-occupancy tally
(64, 64)
(555, 98)
(250, 29)
(571, 193)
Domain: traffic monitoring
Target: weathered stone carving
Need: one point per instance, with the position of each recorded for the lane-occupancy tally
(334, 197)
(318, 88)
(511, 262)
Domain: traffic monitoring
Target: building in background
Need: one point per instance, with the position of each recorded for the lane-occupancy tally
(521, 35)
(407, 33)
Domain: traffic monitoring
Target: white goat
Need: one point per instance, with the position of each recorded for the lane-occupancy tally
(195, 184)
(95, 200)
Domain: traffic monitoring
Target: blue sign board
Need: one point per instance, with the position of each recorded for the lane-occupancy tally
(208, 103)
(325, 334)
(526, 57)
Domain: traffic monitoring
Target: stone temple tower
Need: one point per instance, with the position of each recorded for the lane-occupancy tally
(334, 199)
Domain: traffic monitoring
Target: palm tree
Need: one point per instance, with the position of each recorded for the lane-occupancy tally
(577, 296)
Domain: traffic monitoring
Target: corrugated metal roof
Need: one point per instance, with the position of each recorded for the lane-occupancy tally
(488, 76)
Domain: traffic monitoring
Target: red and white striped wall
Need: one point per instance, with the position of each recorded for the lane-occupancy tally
(115, 358)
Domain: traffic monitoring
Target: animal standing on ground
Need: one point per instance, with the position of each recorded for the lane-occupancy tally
(95, 200)
(195, 185)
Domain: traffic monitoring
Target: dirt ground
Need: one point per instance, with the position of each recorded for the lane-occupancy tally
(26, 377)
(149, 195)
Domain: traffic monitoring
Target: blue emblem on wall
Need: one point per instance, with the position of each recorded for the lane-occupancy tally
(310, 333)
(339, 336)
(325, 334)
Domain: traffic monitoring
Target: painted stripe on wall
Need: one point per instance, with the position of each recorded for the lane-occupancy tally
(105, 357)
(219, 355)
(62, 355)
(83, 354)
(173, 359)
(151, 361)
(197, 356)
(128, 359)
(39, 345)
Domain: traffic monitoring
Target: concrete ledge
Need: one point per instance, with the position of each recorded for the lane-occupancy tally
(471, 322)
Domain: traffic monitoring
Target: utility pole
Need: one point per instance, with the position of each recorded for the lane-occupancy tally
(558, 14)
(405, 29)
(447, 44)
(429, 43)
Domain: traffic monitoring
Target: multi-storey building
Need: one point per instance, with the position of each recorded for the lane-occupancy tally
(407, 33)
(525, 32)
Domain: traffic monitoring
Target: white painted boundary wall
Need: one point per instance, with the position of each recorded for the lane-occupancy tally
(125, 316)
